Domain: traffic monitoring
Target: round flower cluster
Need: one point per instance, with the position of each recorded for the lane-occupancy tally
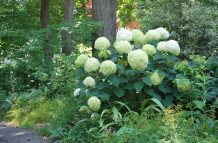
(123, 47)
(156, 78)
(149, 49)
(77, 92)
(183, 85)
(164, 34)
(94, 103)
(102, 43)
(81, 60)
(152, 35)
(89, 82)
(157, 34)
(138, 59)
(137, 36)
(171, 46)
(91, 65)
(124, 34)
(108, 67)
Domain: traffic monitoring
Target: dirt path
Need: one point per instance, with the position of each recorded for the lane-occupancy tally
(9, 134)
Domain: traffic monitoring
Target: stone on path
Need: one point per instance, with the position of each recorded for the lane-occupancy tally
(10, 134)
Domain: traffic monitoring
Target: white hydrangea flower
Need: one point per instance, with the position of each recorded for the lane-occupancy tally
(171, 46)
(183, 85)
(149, 49)
(156, 78)
(91, 65)
(123, 47)
(89, 82)
(124, 34)
(77, 92)
(102, 43)
(152, 35)
(157, 34)
(81, 60)
(137, 36)
(94, 103)
(138, 59)
(164, 34)
(108, 67)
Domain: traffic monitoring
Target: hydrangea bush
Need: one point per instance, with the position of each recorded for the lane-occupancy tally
(136, 67)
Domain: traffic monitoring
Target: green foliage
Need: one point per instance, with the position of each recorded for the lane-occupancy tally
(193, 23)
(172, 126)
(126, 11)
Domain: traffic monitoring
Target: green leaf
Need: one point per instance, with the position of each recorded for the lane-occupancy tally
(164, 88)
(101, 85)
(147, 81)
(158, 103)
(104, 96)
(128, 86)
(172, 58)
(168, 100)
(150, 92)
(119, 92)
(158, 56)
(199, 104)
(116, 115)
(116, 81)
(138, 86)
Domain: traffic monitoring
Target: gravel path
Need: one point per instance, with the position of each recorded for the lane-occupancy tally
(10, 134)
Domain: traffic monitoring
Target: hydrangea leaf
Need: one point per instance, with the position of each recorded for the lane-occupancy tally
(119, 92)
(138, 86)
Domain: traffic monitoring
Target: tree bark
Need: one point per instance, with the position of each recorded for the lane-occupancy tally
(104, 11)
(44, 18)
(66, 37)
(44, 13)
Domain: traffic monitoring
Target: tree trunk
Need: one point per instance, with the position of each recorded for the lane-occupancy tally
(44, 18)
(104, 11)
(66, 37)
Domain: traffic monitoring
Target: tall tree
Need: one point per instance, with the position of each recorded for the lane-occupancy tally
(44, 18)
(66, 37)
(104, 11)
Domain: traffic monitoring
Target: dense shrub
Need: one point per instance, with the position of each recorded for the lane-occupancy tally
(191, 22)
(144, 68)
